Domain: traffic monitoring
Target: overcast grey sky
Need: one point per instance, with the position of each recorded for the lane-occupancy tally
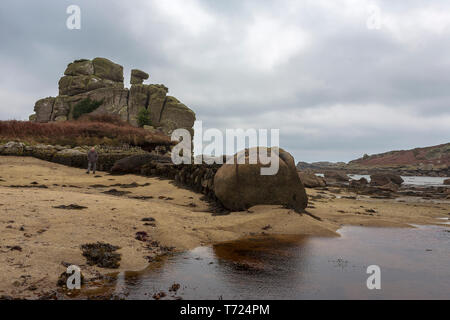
(335, 88)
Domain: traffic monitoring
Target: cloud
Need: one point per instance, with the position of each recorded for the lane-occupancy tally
(313, 69)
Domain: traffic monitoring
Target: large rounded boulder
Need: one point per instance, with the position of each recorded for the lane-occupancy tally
(240, 186)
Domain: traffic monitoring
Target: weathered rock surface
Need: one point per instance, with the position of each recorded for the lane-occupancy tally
(138, 76)
(447, 182)
(44, 109)
(101, 80)
(151, 97)
(310, 180)
(106, 69)
(382, 179)
(176, 115)
(72, 85)
(240, 186)
(82, 67)
(12, 148)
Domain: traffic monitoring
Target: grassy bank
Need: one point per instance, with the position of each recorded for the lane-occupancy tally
(100, 130)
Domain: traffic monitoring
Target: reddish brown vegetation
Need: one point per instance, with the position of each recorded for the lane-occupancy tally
(436, 155)
(94, 130)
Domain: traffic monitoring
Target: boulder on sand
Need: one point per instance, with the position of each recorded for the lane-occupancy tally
(381, 179)
(310, 180)
(240, 186)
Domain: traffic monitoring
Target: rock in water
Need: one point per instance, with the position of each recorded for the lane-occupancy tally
(336, 176)
(240, 186)
(447, 182)
(310, 180)
(381, 179)
(359, 183)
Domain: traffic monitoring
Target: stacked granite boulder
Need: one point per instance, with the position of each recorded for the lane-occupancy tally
(101, 80)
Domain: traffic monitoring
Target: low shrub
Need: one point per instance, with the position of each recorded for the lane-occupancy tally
(143, 118)
(85, 106)
(79, 133)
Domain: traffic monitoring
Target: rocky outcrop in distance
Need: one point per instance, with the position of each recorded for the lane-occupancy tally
(310, 180)
(427, 161)
(101, 80)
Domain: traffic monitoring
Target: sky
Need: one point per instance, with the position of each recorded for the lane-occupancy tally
(338, 78)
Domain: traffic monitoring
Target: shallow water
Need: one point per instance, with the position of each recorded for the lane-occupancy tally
(411, 180)
(408, 180)
(415, 264)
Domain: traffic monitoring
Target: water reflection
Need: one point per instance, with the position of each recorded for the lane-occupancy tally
(415, 264)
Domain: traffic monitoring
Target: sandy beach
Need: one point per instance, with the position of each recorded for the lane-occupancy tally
(38, 239)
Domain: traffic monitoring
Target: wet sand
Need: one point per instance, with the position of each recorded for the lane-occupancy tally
(49, 237)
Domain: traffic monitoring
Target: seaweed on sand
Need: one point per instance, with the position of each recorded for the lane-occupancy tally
(101, 254)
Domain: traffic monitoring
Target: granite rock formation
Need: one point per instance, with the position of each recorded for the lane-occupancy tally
(101, 80)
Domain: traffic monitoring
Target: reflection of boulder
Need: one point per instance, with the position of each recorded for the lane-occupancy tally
(381, 179)
(101, 80)
(240, 186)
(310, 180)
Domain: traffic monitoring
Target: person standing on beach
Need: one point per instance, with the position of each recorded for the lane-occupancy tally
(92, 160)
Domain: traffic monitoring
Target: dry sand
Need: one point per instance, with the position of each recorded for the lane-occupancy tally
(49, 236)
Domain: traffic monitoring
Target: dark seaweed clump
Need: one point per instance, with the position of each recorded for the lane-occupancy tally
(101, 254)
